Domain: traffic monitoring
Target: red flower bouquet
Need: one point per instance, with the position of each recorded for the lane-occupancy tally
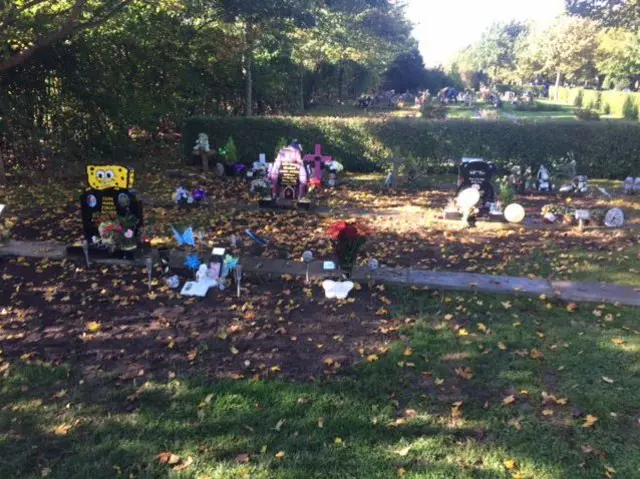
(347, 240)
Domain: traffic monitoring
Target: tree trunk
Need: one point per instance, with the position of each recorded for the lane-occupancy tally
(204, 157)
(248, 86)
(558, 78)
(248, 64)
(3, 171)
(301, 89)
(340, 83)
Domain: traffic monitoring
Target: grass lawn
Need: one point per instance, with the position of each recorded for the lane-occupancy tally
(563, 112)
(475, 387)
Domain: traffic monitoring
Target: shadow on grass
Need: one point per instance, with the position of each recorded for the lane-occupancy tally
(374, 419)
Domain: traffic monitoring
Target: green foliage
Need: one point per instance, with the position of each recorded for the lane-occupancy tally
(630, 109)
(577, 101)
(616, 103)
(230, 152)
(624, 13)
(587, 115)
(602, 149)
(506, 195)
(282, 143)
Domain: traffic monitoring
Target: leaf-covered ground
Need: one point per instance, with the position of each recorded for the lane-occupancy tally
(99, 378)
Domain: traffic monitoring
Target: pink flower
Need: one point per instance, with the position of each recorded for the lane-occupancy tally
(128, 234)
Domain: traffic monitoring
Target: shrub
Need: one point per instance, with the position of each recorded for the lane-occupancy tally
(434, 110)
(602, 149)
(579, 96)
(229, 152)
(629, 109)
(587, 114)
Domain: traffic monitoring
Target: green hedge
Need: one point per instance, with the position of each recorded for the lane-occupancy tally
(609, 102)
(602, 149)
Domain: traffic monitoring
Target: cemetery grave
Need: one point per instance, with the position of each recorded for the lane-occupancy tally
(406, 221)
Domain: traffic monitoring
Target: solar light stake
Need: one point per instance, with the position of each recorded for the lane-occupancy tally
(307, 257)
(238, 276)
(85, 249)
(149, 263)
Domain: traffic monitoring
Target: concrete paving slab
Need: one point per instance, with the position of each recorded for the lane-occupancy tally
(439, 280)
(34, 249)
(596, 293)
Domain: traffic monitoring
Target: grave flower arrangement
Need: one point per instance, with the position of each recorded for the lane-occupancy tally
(119, 233)
(261, 187)
(315, 185)
(347, 240)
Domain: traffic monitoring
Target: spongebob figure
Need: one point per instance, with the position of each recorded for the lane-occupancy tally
(110, 176)
(109, 200)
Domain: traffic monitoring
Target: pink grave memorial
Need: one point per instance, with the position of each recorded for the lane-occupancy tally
(318, 162)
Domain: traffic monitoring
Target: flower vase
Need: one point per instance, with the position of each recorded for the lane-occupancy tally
(346, 270)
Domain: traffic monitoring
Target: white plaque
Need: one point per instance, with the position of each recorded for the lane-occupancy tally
(218, 251)
(582, 214)
(329, 266)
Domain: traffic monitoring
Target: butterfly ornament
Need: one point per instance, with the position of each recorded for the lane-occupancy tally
(186, 238)
(337, 290)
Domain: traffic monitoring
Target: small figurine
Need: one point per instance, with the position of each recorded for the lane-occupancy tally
(544, 179)
(203, 150)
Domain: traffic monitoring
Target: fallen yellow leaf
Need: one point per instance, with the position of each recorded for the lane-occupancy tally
(607, 380)
(618, 341)
(590, 421)
(501, 345)
(408, 352)
(572, 307)
(280, 455)
(509, 400)
(372, 358)
(535, 354)
(93, 326)
(510, 464)
(168, 458)
(547, 412)
(62, 429)
(404, 451)
(506, 304)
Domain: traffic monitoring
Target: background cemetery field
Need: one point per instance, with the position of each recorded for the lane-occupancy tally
(284, 384)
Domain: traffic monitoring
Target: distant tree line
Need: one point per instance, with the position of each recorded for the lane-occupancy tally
(597, 44)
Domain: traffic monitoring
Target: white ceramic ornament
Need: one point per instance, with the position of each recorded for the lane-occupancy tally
(468, 198)
(514, 213)
(338, 290)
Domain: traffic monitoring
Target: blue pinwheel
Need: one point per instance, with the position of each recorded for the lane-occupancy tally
(192, 262)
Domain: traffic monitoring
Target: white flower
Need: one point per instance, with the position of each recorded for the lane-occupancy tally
(336, 166)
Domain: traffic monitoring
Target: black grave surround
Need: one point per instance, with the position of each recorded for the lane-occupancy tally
(118, 201)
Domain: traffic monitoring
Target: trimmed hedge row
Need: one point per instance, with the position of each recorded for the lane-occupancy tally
(602, 149)
(617, 103)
